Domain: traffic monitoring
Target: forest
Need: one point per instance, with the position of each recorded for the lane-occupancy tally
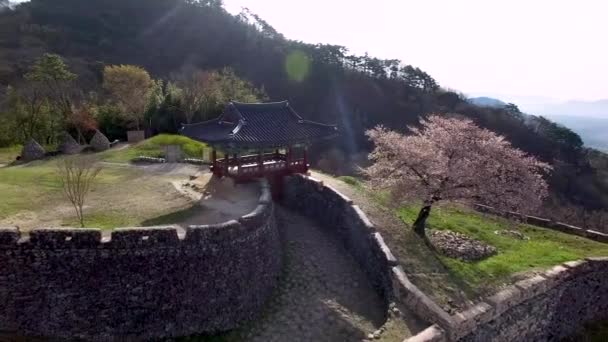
(185, 46)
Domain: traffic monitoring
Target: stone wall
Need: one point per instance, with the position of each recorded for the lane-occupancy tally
(546, 223)
(134, 137)
(336, 212)
(141, 283)
(547, 307)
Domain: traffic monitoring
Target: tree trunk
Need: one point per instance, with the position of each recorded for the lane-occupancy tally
(420, 223)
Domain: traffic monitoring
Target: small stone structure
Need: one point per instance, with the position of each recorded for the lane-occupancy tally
(134, 137)
(100, 142)
(460, 246)
(140, 284)
(173, 153)
(69, 145)
(32, 151)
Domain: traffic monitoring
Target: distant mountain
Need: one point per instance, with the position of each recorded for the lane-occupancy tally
(597, 109)
(593, 131)
(487, 102)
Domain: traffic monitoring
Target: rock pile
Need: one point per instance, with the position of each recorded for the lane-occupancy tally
(100, 142)
(69, 145)
(460, 246)
(32, 151)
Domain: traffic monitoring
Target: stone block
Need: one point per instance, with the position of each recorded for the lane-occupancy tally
(265, 197)
(144, 236)
(65, 237)
(363, 218)
(597, 236)
(532, 287)
(9, 236)
(538, 221)
(388, 255)
(257, 217)
(431, 334)
(173, 153)
(466, 321)
(505, 299)
(411, 297)
(136, 136)
(556, 275)
(345, 199)
(566, 228)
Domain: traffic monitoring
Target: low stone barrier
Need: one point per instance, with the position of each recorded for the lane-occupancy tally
(336, 212)
(545, 223)
(547, 307)
(141, 283)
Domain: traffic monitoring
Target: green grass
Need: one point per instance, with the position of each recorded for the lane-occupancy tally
(153, 147)
(8, 154)
(351, 181)
(544, 249)
(29, 186)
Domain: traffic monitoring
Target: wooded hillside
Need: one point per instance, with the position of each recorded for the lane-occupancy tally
(323, 82)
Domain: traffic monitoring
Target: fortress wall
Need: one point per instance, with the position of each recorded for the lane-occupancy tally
(548, 307)
(336, 212)
(142, 283)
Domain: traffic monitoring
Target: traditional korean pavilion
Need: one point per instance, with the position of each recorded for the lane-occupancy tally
(259, 140)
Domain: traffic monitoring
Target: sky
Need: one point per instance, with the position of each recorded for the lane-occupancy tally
(555, 50)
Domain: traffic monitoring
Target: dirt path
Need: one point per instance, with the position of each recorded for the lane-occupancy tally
(323, 296)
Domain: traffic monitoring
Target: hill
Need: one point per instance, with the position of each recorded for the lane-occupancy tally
(487, 102)
(593, 130)
(323, 82)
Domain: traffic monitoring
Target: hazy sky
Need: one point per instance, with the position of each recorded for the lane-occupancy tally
(548, 48)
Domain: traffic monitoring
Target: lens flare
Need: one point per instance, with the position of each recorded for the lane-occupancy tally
(297, 66)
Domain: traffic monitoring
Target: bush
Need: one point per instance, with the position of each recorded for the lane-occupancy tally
(191, 148)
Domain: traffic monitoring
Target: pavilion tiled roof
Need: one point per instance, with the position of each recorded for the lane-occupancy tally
(259, 125)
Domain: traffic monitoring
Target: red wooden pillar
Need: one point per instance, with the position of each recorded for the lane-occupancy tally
(236, 163)
(226, 163)
(288, 158)
(261, 161)
(214, 161)
(305, 159)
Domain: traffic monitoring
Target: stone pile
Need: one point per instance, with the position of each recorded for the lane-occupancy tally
(69, 145)
(100, 142)
(32, 151)
(460, 246)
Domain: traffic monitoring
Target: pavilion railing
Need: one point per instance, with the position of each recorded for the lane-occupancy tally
(249, 166)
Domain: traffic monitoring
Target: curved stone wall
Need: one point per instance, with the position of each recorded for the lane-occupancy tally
(337, 213)
(142, 283)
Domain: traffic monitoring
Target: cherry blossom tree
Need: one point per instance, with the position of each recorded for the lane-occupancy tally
(449, 159)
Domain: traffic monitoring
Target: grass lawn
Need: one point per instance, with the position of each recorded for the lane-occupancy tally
(153, 147)
(545, 248)
(32, 196)
(8, 154)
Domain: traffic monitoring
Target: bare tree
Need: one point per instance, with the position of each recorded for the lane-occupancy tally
(453, 159)
(197, 91)
(76, 175)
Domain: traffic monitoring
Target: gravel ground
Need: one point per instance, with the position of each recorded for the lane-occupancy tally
(323, 296)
